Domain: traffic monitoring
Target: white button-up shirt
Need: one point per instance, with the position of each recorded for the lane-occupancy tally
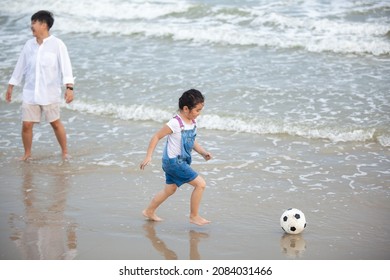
(44, 69)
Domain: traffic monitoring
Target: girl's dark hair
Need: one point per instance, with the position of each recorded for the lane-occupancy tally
(43, 16)
(190, 98)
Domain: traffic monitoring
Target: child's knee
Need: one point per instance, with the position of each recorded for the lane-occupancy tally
(170, 189)
(200, 183)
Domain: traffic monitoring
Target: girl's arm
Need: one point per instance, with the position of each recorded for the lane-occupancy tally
(199, 149)
(164, 131)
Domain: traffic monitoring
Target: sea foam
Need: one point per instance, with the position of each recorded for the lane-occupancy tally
(323, 29)
(232, 123)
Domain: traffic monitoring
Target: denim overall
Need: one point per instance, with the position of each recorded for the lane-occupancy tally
(178, 170)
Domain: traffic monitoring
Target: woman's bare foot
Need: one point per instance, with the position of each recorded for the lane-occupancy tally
(25, 157)
(151, 216)
(66, 157)
(198, 220)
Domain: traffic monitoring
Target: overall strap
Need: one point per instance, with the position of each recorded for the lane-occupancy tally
(181, 122)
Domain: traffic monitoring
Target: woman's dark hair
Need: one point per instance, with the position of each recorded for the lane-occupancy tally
(190, 98)
(43, 16)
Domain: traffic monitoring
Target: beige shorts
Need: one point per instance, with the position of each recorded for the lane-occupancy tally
(33, 113)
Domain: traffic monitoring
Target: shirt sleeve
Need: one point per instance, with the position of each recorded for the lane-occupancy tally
(174, 125)
(66, 66)
(18, 74)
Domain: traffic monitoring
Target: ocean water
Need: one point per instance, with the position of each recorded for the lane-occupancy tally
(316, 69)
(297, 101)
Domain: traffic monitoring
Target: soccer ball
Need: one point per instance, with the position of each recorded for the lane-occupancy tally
(293, 221)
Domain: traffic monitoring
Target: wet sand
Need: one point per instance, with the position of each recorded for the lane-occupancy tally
(90, 207)
(56, 211)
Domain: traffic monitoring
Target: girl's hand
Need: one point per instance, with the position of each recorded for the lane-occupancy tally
(207, 156)
(145, 163)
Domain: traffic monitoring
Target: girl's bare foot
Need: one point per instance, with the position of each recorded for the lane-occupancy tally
(198, 220)
(151, 216)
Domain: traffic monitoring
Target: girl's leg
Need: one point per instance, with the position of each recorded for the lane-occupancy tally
(158, 199)
(199, 185)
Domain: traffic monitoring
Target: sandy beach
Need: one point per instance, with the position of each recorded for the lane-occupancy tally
(87, 208)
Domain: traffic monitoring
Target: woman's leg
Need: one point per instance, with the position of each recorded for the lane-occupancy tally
(27, 137)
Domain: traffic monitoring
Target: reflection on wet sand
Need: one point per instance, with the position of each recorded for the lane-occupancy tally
(293, 245)
(43, 232)
(160, 246)
(194, 241)
(157, 243)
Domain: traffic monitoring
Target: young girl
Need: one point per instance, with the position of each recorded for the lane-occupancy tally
(181, 131)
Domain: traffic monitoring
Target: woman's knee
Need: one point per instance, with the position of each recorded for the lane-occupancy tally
(56, 124)
(27, 126)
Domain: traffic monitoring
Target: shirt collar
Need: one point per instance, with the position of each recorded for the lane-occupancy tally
(48, 38)
(44, 40)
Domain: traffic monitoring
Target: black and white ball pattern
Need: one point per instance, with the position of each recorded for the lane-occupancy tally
(293, 221)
